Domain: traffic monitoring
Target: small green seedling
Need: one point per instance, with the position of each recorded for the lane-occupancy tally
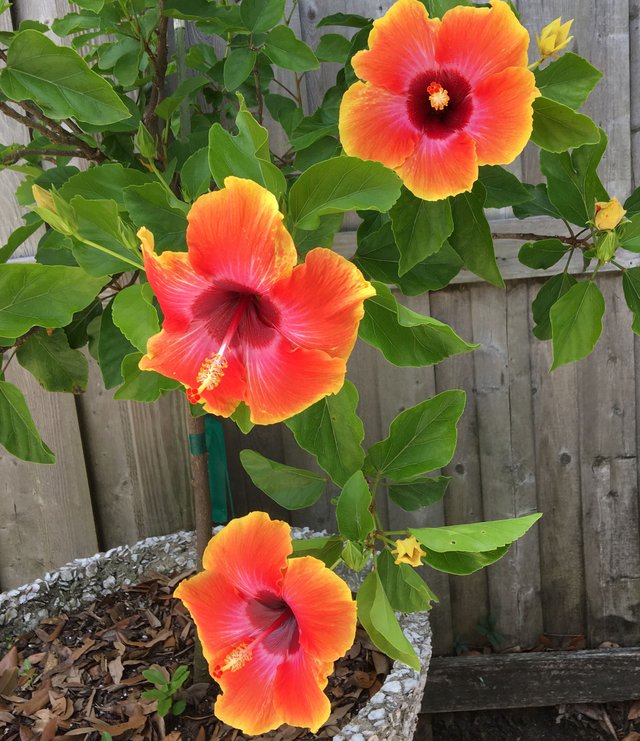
(487, 627)
(165, 689)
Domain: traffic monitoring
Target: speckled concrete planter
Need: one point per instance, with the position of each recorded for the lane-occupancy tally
(392, 713)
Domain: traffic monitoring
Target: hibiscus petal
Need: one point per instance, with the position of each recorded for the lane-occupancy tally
(502, 116)
(482, 41)
(174, 281)
(298, 691)
(236, 236)
(247, 700)
(252, 552)
(180, 355)
(323, 608)
(439, 168)
(402, 45)
(321, 303)
(283, 379)
(374, 125)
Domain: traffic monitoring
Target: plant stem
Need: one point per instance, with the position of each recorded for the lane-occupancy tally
(11, 159)
(160, 62)
(531, 237)
(107, 251)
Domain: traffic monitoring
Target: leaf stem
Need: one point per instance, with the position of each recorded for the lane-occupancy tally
(531, 237)
(107, 251)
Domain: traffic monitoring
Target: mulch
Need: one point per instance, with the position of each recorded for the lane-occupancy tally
(79, 676)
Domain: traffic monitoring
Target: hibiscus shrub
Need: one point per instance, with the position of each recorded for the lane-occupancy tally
(188, 255)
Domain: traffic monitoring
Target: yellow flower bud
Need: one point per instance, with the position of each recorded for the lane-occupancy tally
(43, 198)
(608, 214)
(409, 551)
(553, 38)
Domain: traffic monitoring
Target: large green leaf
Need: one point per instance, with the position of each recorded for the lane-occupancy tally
(538, 205)
(378, 619)
(261, 15)
(568, 80)
(53, 363)
(406, 590)
(112, 348)
(150, 205)
(353, 510)
(405, 337)
(18, 433)
(420, 492)
(195, 176)
(576, 323)
(139, 385)
(573, 185)
(420, 228)
(238, 66)
(59, 81)
(629, 233)
(462, 564)
(327, 549)
(631, 287)
(542, 254)
(421, 439)
(291, 488)
(502, 187)
(550, 292)
(333, 432)
(286, 50)
(135, 315)
(41, 295)
(476, 537)
(471, 237)
(556, 127)
(103, 182)
(341, 184)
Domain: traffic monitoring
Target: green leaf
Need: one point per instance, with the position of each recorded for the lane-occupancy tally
(100, 222)
(353, 512)
(502, 187)
(420, 228)
(471, 237)
(42, 295)
(186, 89)
(421, 439)
(463, 564)
(632, 204)
(164, 706)
(378, 619)
(355, 555)
(419, 492)
(178, 707)
(18, 433)
(155, 677)
(242, 417)
(291, 488)
(573, 184)
(135, 315)
(405, 337)
(547, 296)
(542, 254)
(338, 185)
(539, 205)
(261, 15)
(437, 8)
(139, 385)
(406, 590)
(103, 182)
(17, 238)
(326, 549)
(333, 432)
(631, 287)
(323, 236)
(59, 81)
(333, 47)
(76, 330)
(113, 347)
(53, 363)
(630, 234)
(568, 80)
(576, 323)
(238, 66)
(195, 176)
(150, 205)
(349, 20)
(556, 127)
(476, 537)
(284, 49)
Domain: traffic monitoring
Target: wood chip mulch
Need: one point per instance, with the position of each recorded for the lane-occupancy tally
(80, 676)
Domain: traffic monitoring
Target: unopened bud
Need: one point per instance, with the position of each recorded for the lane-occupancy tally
(608, 214)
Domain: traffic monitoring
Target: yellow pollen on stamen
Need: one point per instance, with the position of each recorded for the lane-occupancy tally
(438, 96)
(237, 658)
(211, 372)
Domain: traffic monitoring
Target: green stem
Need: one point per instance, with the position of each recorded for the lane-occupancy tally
(107, 251)
(620, 266)
(566, 267)
(293, 10)
(595, 272)
(158, 174)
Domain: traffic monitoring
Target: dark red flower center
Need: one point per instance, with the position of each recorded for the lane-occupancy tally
(438, 114)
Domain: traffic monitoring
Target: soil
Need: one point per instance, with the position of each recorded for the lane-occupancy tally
(80, 676)
(564, 723)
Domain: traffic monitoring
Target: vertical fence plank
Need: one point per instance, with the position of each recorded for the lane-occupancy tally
(609, 476)
(556, 423)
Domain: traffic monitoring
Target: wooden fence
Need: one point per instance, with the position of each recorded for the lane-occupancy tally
(565, 444)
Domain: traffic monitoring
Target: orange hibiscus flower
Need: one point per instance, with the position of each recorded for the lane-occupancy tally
(242, 321)
(442, 96)
(270, 627)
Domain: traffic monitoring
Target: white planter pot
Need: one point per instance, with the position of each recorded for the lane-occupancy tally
(390, 715)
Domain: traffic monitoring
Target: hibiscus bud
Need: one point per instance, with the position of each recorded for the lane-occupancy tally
(606, 246)
(54, 210)
(608, 214)
(409, 551)
(553, 38)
